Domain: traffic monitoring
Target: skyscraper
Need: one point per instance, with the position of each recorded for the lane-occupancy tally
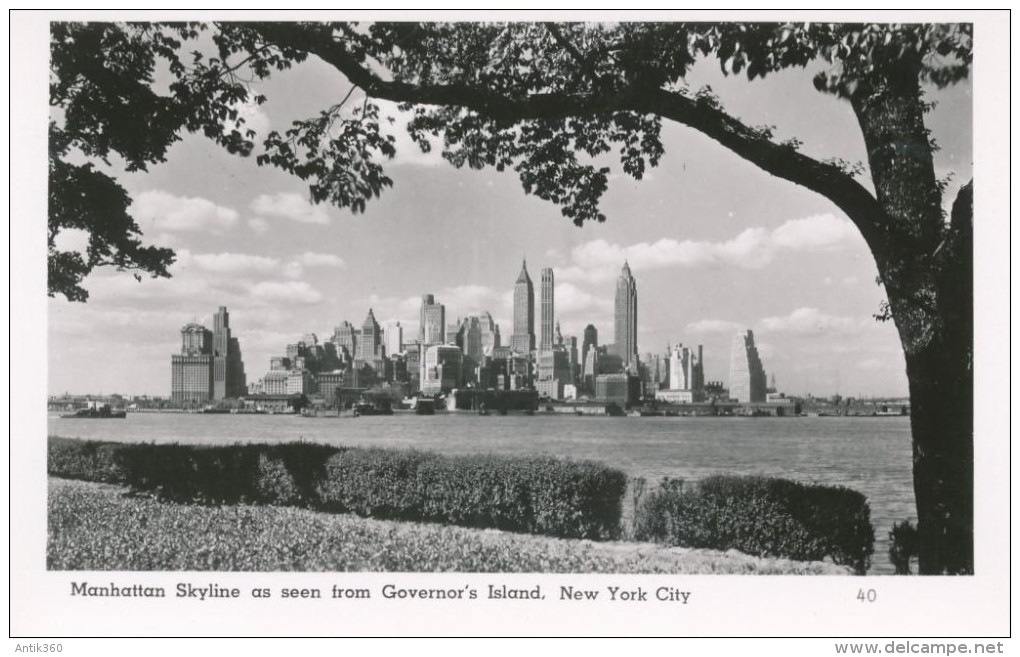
(548, 288)
(394, 338)
(625, 320)
(209, 366)
(432, 328)
(228, 369)
(191, 370)
(490, 333)
(370, 338)
(591, 339)
(370, 350)
(747, 375)
(523, 338)
(345, 337)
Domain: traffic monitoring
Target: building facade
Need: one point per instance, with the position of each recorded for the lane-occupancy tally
(523, 339)
(546, 336)
(394, 339)
(490, 333)
(432, 329)
(209, 365)
(228, 368)
(747, 375)
(442, 369)
(625, 317)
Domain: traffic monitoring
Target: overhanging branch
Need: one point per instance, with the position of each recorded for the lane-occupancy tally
(779, 160)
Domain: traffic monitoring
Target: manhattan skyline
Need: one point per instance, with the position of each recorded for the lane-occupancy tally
(710, 257)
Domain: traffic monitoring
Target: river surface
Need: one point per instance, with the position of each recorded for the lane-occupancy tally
(871, 455)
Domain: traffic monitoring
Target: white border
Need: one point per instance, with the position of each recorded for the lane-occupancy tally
(721, 605)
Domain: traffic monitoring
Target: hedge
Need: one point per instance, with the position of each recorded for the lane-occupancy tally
(760, 516)
(537, 495)
(570, 499)
(88, 460)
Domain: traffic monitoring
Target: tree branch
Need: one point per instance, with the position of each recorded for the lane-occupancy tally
(777, 159)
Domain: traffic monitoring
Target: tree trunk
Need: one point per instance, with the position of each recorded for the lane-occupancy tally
(925, 264)
(942, 408)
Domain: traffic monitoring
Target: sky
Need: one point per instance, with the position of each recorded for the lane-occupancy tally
(715, 245)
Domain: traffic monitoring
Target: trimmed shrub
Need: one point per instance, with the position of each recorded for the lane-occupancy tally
(539, 495)
(83, 459)
(902, 546)
(522, 494)
(226, 474)
(761, 516)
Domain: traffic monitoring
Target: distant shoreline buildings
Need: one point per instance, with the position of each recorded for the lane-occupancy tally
(468, 354)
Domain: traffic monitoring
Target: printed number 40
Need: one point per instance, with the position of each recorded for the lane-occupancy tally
(867, 595)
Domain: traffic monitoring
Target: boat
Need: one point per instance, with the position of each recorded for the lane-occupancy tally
(425, 407)
(103, 412)
(372, 409)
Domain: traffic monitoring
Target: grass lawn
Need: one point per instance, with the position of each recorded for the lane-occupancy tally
(100, 527)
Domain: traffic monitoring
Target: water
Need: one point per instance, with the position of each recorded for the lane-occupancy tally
(871, 455)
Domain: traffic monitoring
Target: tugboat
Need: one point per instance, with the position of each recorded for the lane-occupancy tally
(96, 412)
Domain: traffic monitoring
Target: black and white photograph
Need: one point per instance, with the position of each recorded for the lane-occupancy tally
(502, 315)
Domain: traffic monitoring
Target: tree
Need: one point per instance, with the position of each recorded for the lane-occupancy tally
(546, 100)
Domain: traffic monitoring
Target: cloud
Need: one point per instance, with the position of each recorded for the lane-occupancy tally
(309, 259)
(255, 118)
(569, 299)
(158, 210)
(408, 152)
(806, 321)
(714, 326)
(286, 291)
(229, 263)
(289, 205)
(753, 248)
(258, 224)
(820, 231)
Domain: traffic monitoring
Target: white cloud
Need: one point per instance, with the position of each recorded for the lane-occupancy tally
(288, 291)
(569, 299)
(806, 321)
(158, 210)
(232, 262)
(258, 224)
(310, 259)
(820, 231)
(408, 152)
(255, 118)
(753, 248)
(289, 205)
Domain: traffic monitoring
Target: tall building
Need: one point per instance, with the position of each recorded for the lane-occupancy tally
(490, 333)
(523, 338)
(394, 339)
(747, 375)
(591, 339)
(209, 366)
(370, 349)
(625, 317)
(345, 337)
(228, 369)
(432, 326)
(191, 370)
(548, 290)
(469, 338)
(442, 369)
